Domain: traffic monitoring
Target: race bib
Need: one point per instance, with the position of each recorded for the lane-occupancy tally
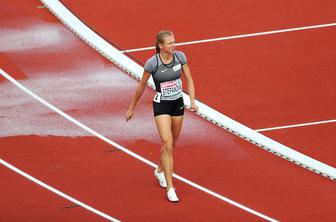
(171, 90)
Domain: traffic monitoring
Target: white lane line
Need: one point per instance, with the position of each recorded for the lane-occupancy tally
(71, 119)
(239, 36)
(46, 186)
(296, 125)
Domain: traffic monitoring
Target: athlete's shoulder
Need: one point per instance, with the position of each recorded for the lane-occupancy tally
(153, 58)
(179, 52)
(150, 64)
(181, 57)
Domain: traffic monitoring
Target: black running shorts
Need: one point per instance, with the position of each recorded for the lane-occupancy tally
(172, 108)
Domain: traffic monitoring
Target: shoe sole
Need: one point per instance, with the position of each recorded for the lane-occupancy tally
(161, 186)
(176, 201)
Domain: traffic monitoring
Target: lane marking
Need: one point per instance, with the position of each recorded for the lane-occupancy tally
(296, 125)
(46, 186)
(136, 156)
(125, 63)
(238, 36)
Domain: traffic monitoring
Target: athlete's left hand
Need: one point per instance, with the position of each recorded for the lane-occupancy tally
(129, 114)
(193, 107)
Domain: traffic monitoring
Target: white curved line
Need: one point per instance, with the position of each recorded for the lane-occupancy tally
(46, 186)
(136, 156)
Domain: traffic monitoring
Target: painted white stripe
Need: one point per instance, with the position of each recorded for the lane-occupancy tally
(46, 186)
(134, 69)
(296, 125)
(239, 36)
(136, 156)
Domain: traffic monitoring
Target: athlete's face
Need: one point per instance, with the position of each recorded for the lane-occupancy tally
(169, 44)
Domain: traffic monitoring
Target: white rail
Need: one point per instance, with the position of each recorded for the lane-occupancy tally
(134, 69)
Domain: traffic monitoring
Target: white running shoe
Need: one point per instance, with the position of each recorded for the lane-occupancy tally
(161, 178)
(172, 195)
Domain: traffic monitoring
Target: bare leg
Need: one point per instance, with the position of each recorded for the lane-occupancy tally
(164, 126)
(177, 122)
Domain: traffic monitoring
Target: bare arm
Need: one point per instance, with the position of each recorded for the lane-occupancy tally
(191, 87)
(141, 87)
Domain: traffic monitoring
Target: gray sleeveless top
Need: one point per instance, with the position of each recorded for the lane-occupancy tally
(167, 77)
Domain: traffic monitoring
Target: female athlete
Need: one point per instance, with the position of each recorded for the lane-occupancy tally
(166, 67)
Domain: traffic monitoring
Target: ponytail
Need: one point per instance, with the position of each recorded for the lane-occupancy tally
(157, 48)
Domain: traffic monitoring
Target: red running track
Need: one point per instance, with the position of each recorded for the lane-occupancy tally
(24, 200)
(265, 81)
(117, 184)
(194, 20)
(271, 81)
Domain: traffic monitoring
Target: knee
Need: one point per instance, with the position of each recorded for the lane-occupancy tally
(167, 146)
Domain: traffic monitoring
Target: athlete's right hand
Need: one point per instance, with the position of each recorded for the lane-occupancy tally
(129, 114)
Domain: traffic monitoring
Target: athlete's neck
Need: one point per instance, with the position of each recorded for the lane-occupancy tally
(166, 56)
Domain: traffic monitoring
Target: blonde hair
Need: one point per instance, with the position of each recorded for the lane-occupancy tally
(160, 38)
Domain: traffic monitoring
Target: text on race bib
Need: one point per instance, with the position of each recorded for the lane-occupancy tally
(171, 90)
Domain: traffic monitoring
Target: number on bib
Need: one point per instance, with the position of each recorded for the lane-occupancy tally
(157, 97)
